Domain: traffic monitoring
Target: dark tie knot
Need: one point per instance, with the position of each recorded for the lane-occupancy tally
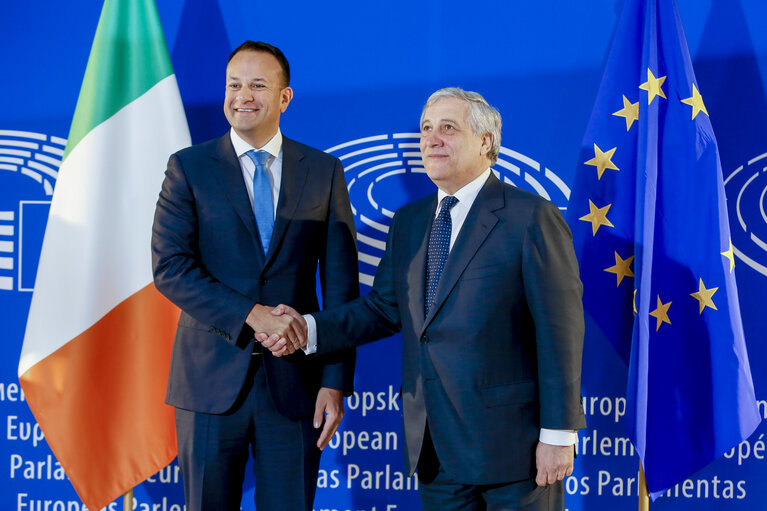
(448, 202)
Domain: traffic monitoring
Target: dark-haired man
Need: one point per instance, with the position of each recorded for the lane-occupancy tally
(243, 222)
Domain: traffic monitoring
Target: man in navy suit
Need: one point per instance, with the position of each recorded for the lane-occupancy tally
(244, 222)
(482, 281)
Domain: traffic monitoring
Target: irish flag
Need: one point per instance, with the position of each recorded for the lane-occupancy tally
(96, 352)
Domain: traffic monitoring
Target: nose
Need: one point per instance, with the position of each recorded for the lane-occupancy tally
(430, 138)
(245, 94)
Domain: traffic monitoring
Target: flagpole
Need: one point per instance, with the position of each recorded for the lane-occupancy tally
(128, 500)
(644, 496)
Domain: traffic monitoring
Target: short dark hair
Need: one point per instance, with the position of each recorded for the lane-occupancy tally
(265, 48)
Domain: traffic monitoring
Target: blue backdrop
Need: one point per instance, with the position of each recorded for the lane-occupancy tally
(361, 72)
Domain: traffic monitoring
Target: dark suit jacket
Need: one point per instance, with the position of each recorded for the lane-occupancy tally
(208, 260)
(499, 355)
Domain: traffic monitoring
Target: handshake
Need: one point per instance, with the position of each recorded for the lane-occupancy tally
(281, 330)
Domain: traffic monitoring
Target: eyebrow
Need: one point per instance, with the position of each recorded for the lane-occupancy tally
(259, 79)
(446, 119)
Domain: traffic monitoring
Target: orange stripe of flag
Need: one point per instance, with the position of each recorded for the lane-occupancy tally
(100, 398)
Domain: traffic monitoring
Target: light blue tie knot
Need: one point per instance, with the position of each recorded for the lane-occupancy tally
(263, 203)
(259, 158)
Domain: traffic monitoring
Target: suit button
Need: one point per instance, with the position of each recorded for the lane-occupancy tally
(262, 281)
(425, 339)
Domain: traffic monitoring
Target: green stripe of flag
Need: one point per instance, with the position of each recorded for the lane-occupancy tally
(128, 57)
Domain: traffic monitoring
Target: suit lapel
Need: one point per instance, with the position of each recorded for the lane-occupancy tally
(231, 180)
(294, 173)
(478, 224)
(416, 278)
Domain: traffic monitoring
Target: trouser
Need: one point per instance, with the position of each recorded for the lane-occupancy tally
(439, 492)
(213, 452)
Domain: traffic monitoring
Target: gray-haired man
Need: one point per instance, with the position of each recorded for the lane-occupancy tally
(482, 281)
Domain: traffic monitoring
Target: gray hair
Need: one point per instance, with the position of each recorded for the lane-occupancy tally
(482, 118)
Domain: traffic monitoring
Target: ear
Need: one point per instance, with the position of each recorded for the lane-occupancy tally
(487, 144)
(286, 95)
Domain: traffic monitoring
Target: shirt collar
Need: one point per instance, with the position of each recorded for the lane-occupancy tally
(469, 192)
(273, 147)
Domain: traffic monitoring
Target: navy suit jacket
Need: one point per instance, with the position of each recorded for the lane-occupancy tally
(207, 259)
(499, 355)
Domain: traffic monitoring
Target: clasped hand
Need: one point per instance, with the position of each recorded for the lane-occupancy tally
(281, 330)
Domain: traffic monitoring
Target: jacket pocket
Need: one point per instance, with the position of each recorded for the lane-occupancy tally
(485, 271)
(187, 321)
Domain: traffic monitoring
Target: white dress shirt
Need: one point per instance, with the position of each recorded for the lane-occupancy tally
(274, 165)
(465, 196)
(458, 213)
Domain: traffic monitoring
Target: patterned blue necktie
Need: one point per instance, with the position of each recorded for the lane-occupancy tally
(263, 204)
(439, 247)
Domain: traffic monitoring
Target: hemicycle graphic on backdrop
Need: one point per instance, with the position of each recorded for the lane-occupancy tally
(746, 189)
(29, 164)
(384, 172)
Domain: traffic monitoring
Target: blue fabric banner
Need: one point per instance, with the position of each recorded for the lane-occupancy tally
(361, 73)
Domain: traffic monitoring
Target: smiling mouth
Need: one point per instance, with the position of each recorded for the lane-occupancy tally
(246, 110)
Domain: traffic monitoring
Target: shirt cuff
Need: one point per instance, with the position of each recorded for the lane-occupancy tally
(311, 335)
(558, 436)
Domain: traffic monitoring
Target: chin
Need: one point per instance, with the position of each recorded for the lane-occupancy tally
(437, 174)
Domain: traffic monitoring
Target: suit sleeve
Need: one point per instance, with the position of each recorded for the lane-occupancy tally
(339, 276)
(178, 271)
(554, 295)
(368, 318)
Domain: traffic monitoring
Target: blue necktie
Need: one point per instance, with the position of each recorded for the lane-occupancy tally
(439, 247)
(263, 204)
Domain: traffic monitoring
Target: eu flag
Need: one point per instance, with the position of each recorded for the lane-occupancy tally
(651, 231)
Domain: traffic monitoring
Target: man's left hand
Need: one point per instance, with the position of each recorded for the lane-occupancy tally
(554, 463)
(330, 405)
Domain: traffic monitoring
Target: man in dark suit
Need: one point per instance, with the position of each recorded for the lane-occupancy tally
(482, 281)
(242, 222)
